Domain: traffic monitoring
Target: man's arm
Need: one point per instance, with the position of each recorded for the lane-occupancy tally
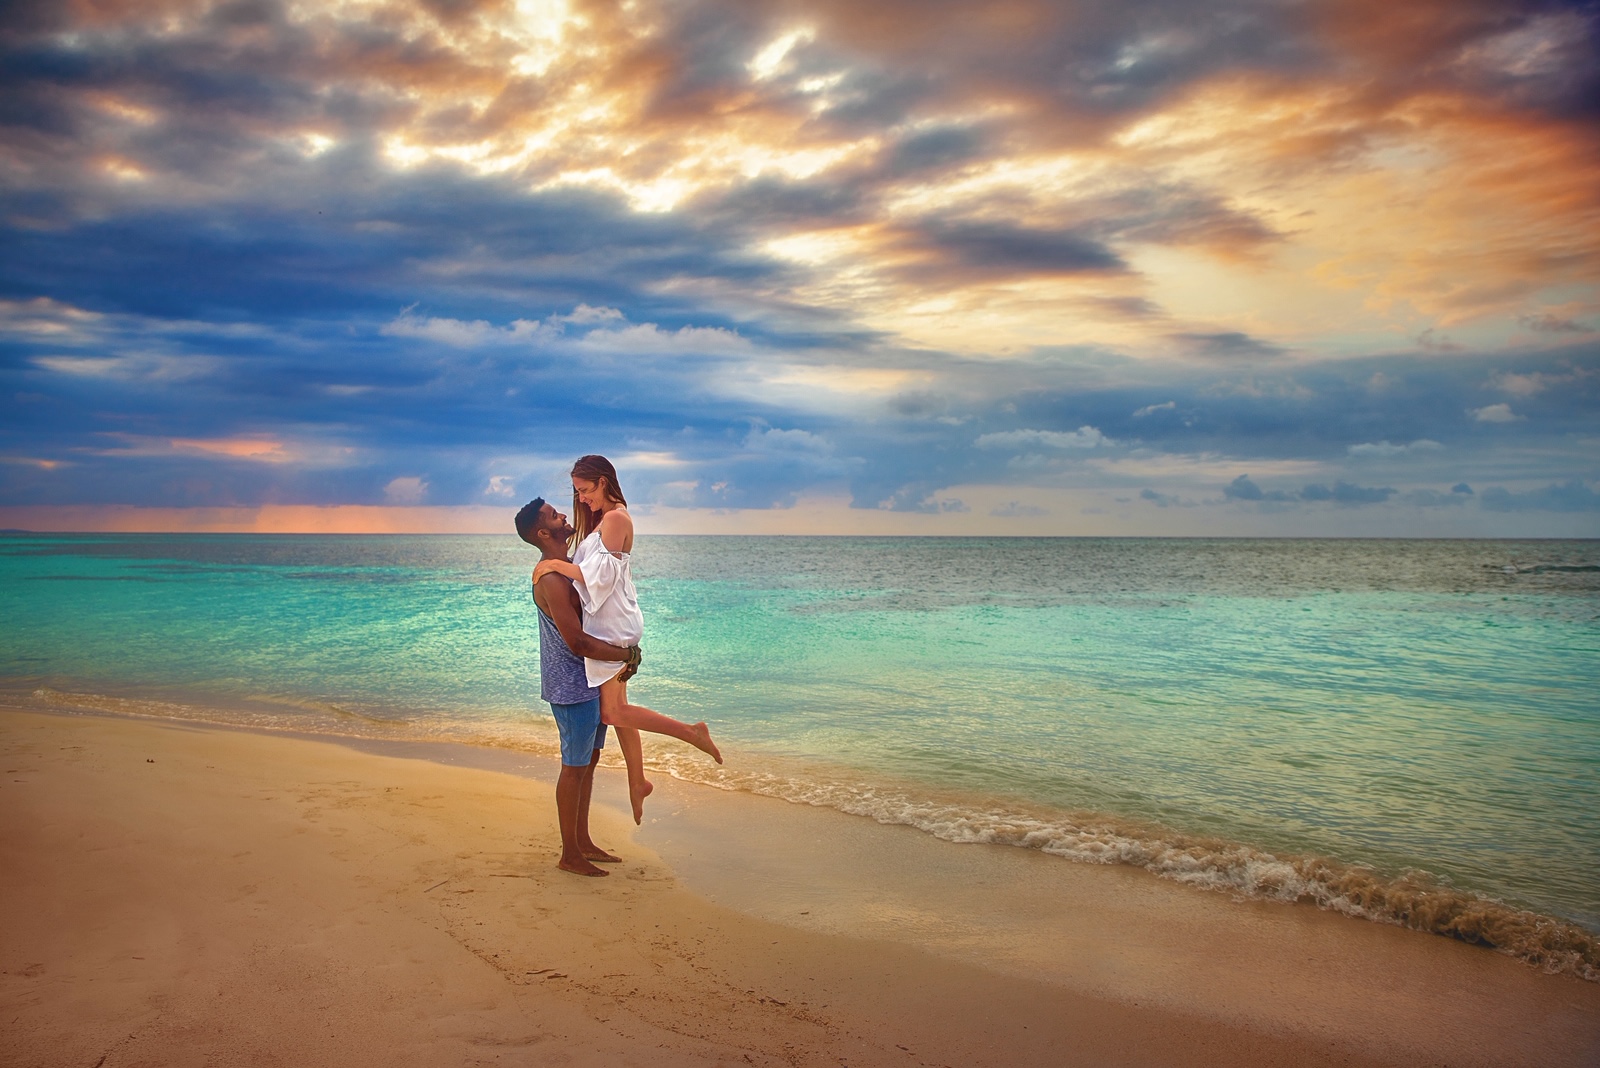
(560, 602)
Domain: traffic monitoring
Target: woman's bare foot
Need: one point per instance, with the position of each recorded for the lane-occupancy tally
(703, 742)
(581, 867)
(600, 856)
(637, 795)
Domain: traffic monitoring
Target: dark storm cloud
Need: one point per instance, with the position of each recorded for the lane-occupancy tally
(1164, 500)
(357, 239)
(1000, 249)
(1089, 60)
(1244, 489)
(1345, 493)
(934, 149)
(1553, 324)
(1227, 345)
(769, 202)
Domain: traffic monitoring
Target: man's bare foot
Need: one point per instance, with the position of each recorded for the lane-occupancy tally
(703, 742)
(637, 794)
(581, 867)
(600, 856)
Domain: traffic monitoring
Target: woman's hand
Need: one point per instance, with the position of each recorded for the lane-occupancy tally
(560, 567)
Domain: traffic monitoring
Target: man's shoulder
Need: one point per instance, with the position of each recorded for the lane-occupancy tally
(556, 589)
(542, 590)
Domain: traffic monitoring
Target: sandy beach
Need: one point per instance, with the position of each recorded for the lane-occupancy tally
(177, 895)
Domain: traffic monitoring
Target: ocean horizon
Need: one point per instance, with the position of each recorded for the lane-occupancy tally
(1406, 730)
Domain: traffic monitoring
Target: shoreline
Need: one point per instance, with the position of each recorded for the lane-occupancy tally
(314, 901)
(1413, 900)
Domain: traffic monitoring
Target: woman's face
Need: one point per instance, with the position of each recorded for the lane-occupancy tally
(590, 493)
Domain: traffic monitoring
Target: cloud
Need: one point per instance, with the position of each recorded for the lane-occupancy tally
(584, 315)
(1225, 345)
(1085, 437)
(263, 450)
(1163, 500)
(997, 249)
(1545, 323)
(1017, 510)
(1385, 449)
(773, 439)
(1521, 385)
(407, 489)
(1494, 413)
(459, 334)
(648, 339)
(1431, 341)
(1569, 496)
(1244, 489)
(1151, 409)
(1532, 383)
(151, 368)
(919, 497)
(1345, 493)
(935, 148)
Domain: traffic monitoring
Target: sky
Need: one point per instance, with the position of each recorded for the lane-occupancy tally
(1153, 267)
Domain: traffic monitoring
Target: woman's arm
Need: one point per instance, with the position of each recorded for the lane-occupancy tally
(559, 567)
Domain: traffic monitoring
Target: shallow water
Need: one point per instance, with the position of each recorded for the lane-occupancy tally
(1368, 724)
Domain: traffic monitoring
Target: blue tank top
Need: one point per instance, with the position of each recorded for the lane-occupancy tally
(562, 680)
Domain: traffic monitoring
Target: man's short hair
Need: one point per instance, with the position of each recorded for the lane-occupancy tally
(527, 520)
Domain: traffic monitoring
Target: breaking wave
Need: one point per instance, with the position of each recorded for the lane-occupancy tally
(1414, 899)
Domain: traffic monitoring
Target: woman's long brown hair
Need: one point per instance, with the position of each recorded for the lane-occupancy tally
(596, 469)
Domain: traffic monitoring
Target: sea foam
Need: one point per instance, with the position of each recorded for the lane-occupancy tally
(1414, 899)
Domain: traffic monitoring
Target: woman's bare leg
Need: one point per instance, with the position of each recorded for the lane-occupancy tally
(613, 696)
(645, 719)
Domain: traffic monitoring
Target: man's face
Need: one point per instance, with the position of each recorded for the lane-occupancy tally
(554, 522)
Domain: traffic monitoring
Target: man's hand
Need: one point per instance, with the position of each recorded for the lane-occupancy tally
(562, 606)
(631, 668)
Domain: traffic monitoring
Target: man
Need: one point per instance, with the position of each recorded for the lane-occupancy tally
(563, 684)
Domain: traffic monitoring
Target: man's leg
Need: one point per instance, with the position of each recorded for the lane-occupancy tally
(569, 803)
(578, 726)
(585, 843)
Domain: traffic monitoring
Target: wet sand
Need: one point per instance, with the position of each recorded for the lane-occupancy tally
(178, 895)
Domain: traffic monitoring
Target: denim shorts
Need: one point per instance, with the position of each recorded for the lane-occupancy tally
(581, 731)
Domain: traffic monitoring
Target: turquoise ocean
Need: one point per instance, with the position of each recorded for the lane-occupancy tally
(1407, 731)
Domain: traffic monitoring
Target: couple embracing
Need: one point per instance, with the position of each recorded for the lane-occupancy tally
(589, 632)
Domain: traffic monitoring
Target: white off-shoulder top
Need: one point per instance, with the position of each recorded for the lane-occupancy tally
(610, 605)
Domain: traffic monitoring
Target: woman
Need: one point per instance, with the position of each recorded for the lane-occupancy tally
(601, 544)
